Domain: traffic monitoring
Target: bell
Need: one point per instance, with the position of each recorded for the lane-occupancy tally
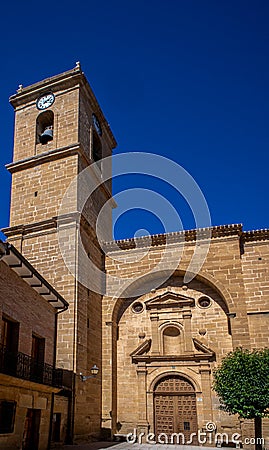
(46, 136)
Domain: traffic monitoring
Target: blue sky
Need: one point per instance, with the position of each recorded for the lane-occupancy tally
(187, 80)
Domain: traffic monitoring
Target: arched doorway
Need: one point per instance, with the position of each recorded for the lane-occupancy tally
(175, 408)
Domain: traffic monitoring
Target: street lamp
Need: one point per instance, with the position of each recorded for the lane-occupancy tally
(94, 372)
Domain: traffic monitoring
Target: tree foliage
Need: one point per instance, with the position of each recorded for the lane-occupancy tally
(242, 383)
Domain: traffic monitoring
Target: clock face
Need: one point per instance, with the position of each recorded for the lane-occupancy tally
(97, 124)
(45, 101)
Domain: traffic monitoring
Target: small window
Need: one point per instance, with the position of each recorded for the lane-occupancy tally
(137, 307)
(44, 127)
(187, 426)
(204, 302)
(7, 416)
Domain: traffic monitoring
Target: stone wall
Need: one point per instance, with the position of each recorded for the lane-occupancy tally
(27, 396)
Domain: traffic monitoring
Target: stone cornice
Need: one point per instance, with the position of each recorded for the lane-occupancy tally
(42, 158)
(256, 235)
(23, 230)
(175, 237)
(197, 357)
(66, 79)
(74, 219)
(10, 381)
(53, 155)
(222, 231)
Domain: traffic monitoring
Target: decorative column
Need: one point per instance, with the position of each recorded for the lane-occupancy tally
(142, 425)
(205, 372)
(155, 349)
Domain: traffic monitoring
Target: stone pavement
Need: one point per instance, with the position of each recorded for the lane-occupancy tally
(128, 446)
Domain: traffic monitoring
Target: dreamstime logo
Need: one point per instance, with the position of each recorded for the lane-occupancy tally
(81, 196)
(210, 426)
(207, 436)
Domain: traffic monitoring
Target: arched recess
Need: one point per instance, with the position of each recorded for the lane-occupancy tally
(141, 289)
(172, 339)
(138, 289)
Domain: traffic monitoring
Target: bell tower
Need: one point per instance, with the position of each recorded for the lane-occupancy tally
(60, 130)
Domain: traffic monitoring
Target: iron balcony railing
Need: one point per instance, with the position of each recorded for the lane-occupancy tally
(23, 366)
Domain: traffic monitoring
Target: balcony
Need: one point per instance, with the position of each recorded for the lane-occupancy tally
(23, 366)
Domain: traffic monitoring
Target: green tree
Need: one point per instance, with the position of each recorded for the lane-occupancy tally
(242, 385)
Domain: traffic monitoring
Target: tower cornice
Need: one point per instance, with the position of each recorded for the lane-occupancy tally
(65, 80)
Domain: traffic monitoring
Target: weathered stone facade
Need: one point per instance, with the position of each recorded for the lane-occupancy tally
(172, 335)
(154, 345)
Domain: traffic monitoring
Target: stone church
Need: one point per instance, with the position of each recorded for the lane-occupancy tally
(158, 342)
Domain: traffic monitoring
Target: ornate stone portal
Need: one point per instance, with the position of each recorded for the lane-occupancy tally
(171, 346)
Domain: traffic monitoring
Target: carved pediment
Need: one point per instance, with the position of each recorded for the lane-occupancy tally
(169, 299)
(142, 349)
(202, 347)
(202, 353)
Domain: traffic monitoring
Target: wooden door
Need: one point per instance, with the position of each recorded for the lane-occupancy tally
(31, 430)
(175, 409)
(187, 417)
(56, 427)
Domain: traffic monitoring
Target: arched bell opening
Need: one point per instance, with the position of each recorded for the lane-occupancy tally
(96, 147)
(44, 127)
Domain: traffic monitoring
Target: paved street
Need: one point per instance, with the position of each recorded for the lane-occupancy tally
(127, 446)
